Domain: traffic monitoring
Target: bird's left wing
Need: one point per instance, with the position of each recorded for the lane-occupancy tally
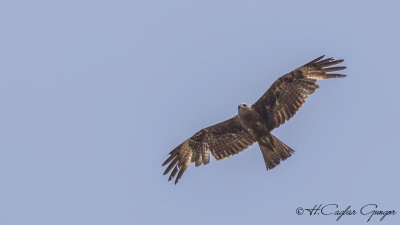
(287, 94)
(223, 140)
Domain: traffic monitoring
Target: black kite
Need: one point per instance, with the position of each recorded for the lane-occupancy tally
(254, 123)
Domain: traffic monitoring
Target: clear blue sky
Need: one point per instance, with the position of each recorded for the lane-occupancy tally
(94, 94)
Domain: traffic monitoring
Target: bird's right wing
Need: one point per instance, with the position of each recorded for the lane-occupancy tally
(223, 140)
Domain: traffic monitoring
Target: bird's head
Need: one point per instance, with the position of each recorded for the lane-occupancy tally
(243, 106)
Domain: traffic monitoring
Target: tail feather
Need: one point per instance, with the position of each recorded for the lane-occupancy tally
(273, 151)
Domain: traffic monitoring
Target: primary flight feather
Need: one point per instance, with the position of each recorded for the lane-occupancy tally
(254, 123)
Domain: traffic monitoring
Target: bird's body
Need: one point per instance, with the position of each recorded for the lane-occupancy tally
(254, 123)
(251, 121)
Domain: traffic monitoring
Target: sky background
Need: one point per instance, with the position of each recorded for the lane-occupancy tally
(95, 94)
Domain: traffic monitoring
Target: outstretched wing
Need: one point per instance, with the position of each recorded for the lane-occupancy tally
(223, 140)
(287, 94)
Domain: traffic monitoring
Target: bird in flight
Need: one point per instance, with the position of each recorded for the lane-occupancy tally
(254, 123)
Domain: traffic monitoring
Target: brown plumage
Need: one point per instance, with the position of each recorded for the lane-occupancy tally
(255, 123)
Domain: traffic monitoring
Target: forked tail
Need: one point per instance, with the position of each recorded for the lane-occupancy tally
(273, 151)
